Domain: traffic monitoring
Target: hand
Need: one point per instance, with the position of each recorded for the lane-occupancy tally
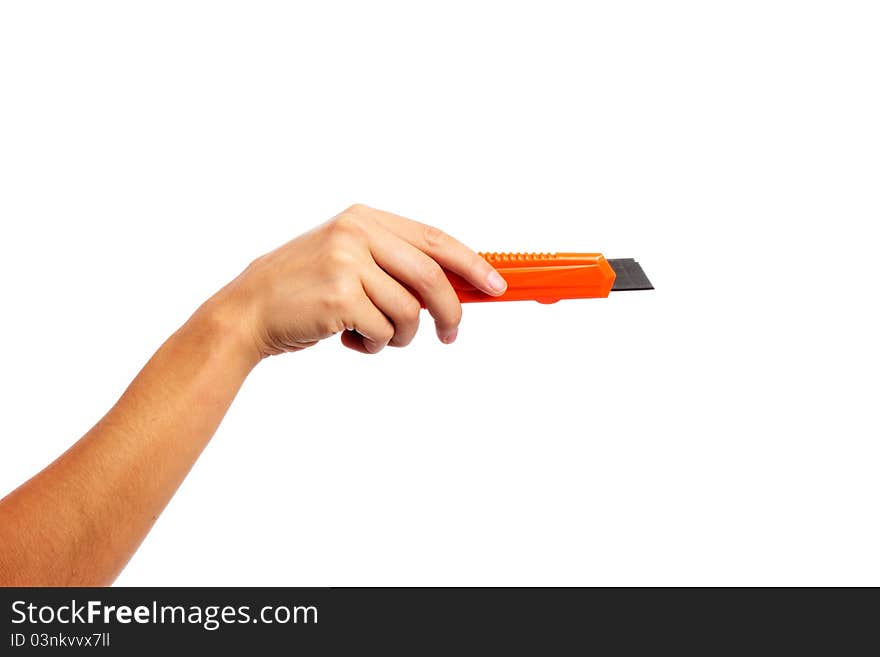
(360, 274)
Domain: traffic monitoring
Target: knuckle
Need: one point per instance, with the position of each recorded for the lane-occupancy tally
(479, 265)
(356, 208)
(339, 295)
(339, 258)
(332, 326)
(431, 275)
(401, 340)
(433, 236)
(341, 249)
(345, 225)
(411, 311)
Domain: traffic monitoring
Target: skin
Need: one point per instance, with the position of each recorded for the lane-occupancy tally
(78, 522)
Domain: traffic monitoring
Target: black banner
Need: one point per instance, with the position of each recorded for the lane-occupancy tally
(416, 620)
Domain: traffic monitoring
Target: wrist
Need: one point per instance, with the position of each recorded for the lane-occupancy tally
(227, 321)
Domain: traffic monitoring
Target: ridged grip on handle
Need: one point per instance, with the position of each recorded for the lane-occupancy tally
(543, 277)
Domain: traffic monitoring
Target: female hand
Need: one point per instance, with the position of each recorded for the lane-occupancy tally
(361, 274)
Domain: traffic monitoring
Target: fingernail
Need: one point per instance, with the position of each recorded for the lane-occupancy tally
(449, 338)
(495, 281)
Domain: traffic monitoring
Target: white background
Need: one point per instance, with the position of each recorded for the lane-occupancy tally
(719, 430)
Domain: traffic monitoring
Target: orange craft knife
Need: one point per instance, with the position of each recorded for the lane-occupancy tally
(549, 277)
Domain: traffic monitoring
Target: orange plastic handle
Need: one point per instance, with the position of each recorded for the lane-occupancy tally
(543, 277)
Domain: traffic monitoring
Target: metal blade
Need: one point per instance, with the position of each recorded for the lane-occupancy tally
(629, 275)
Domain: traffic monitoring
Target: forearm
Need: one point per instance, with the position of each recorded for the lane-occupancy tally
(364, 275)
(79, 521)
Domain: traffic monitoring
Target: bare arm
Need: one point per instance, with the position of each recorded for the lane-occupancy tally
(79, 521)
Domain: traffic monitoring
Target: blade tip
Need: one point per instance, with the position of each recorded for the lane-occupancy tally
(629, 275)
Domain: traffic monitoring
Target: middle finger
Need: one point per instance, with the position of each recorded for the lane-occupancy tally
(424, 276)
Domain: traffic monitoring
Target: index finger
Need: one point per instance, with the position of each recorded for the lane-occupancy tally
(447, 251)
